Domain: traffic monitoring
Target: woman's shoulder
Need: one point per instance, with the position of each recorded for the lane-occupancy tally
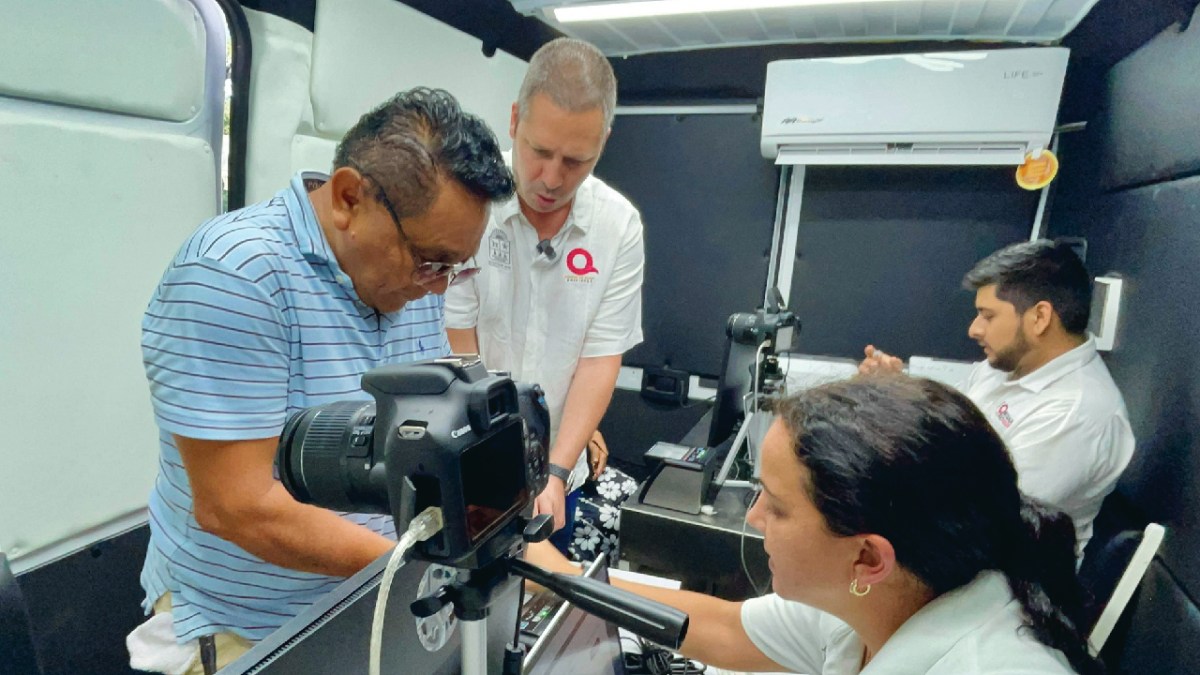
(1003, 645)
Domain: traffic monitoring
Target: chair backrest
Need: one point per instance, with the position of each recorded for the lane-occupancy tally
(1115, 575)
(17, 652)
(1163, 629)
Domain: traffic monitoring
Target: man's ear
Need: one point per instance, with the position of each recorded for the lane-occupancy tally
(1041, 317)
(346, 194)
(512, 122)
(876, 561)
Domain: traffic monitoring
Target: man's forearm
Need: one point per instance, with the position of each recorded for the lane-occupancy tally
(715, 633)
(463, 340)
(587, 400)
(308, 538)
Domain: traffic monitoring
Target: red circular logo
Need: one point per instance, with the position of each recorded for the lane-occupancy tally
(580, 262)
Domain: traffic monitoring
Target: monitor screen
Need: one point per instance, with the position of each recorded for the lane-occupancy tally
(493, 479)
(579, 642)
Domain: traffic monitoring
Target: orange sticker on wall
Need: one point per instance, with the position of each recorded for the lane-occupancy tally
(1037, 172)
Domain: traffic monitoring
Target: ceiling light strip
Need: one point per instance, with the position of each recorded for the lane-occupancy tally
(643, 8)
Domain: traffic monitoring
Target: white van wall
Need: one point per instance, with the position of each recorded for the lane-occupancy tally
(308, 89)
(109, 115)
(109, 119)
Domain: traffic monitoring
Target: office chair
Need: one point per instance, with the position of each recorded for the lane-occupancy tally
(17, 652)
(1119, 566)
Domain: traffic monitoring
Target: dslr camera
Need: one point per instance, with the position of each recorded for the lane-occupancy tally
(443, 433)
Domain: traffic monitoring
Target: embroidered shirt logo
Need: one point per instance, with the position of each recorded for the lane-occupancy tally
(581, 264)
(1005, 418)
(499, 250)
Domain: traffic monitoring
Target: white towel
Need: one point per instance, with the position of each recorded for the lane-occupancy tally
(152, 647)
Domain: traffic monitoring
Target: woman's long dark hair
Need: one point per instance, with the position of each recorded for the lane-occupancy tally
(916, 462)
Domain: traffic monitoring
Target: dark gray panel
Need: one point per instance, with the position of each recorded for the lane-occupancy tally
(17, 652)
(333, 635)
(1164, 631)
(1151, 236)
(882, 253)
(707, 199)
(1149, 127)
(494, 22)
(84, 605)
(632, 425)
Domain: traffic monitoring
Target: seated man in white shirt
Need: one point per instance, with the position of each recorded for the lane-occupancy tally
(558, 299)
(1043, 386)
(898, 543)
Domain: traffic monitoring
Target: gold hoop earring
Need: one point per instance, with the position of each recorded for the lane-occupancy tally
(856, 592)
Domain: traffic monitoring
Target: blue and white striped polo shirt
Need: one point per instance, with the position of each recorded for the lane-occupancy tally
(254, 320)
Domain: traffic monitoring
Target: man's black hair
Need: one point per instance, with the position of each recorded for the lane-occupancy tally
(1030, 272)
(417, 137)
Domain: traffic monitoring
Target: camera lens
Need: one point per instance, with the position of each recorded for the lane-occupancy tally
(324, 457)
(743, 328)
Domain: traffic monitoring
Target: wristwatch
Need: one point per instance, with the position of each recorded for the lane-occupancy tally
(559, 472)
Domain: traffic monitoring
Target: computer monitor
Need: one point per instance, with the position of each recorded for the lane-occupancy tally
(734, 386)
(577, 642)
(333, 636)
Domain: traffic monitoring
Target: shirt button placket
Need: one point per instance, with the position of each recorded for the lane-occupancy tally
(536, 327)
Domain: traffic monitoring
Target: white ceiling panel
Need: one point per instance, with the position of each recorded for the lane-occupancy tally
(1036, 21)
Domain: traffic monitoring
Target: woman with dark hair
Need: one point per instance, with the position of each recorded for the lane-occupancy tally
(898, 543)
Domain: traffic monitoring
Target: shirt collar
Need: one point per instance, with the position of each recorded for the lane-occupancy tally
(1059, 366)
(310, 238)
(930, 634)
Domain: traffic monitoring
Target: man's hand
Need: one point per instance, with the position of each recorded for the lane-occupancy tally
(715, 634)
(597, 451)
(878, 361)
(553, 500)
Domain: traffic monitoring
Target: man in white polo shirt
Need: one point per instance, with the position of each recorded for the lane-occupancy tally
(1043, 386)
(558, 299)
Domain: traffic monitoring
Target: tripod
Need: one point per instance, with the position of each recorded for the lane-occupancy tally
(472, 598)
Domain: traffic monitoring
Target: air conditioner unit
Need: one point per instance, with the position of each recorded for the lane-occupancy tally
(977, 107)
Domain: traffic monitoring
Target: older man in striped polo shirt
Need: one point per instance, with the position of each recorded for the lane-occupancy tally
(284, 305)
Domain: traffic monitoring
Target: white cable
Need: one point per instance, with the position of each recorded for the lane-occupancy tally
(424, 526)
(751, 454)
(742, 546)
(757, 366)
(752, 396)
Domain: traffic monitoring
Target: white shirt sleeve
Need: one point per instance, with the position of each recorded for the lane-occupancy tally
(617, 326)
(462, 304)
(1065, 459)
(790, 633)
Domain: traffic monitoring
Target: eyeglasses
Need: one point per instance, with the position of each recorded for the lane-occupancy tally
(424, 272)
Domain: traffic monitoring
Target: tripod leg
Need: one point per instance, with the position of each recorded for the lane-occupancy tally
(474, 647)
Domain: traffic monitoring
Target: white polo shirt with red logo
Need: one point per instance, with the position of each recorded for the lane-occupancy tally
(1066, 427)
(536, 315)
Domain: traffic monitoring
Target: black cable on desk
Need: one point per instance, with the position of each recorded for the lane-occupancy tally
(656, 660)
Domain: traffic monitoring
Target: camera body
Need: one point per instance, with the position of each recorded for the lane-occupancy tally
(443, 433)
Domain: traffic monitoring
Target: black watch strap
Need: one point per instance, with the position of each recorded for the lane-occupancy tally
(560, 472)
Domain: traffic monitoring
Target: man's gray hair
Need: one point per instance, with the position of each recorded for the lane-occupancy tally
(574, 74)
